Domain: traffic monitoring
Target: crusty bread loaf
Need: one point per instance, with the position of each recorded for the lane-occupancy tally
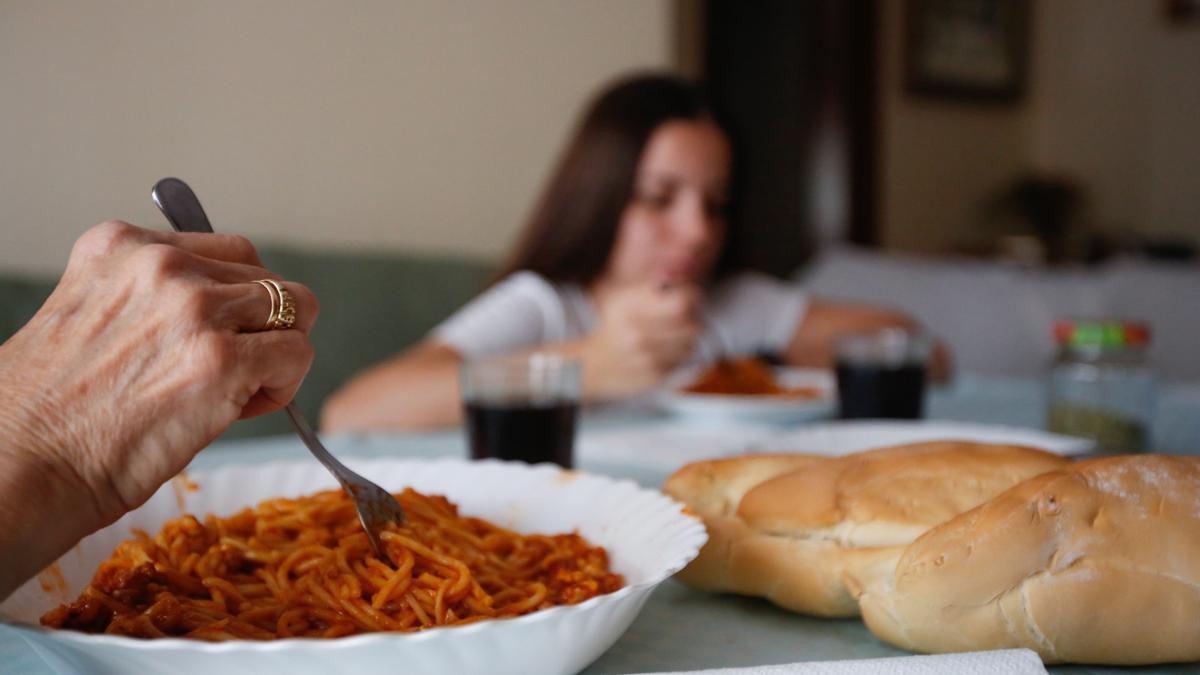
(713, 489)
(891, 495)
(1097, 562)
(792, 536)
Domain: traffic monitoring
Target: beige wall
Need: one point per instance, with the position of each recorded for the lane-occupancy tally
(424, 125)
(1113, 101)
(1117, 104)
(938, 159)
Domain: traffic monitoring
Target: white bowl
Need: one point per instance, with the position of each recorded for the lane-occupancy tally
(647, 536)
(750, 408)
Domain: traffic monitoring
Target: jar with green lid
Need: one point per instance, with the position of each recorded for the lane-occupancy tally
(1101, 386)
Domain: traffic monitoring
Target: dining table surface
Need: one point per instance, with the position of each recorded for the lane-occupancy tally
(680, 628)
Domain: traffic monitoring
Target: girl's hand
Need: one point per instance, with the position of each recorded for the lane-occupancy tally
(644, 333)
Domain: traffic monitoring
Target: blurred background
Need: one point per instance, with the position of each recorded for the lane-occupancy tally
(988, 165)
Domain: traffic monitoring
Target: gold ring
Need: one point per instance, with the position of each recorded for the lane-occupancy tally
(283, 307)
(283, 315)
(271, 295)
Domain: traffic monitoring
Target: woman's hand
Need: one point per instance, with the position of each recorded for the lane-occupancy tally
(151, 345)
(812, 345)
(643, 333)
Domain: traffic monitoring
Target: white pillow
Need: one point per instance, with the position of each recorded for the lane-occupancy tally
(997, 319)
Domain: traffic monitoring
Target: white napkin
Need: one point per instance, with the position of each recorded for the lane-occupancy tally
(1000, 662)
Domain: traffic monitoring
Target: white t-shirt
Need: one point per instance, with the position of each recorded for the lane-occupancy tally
(749, 312)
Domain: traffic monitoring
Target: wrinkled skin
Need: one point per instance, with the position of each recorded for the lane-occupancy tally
(150, 346)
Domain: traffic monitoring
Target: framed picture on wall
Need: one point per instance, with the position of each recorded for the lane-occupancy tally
(967, 49)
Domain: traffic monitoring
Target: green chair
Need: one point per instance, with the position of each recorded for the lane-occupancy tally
(372, 306)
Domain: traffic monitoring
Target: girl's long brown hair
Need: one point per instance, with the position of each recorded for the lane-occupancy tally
(571, 231)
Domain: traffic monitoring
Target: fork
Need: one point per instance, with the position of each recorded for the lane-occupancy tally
(721, 349)
(720, 345)
(376, 507)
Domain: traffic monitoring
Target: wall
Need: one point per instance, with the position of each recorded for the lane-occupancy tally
(424, 125)
(1113, 98)
(1117, 105)
(938, 159)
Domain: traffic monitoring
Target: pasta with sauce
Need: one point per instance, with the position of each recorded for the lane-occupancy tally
(745, 376)
(304, 568)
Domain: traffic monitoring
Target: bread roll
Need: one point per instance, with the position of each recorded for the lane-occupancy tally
(1097, 562)
(793, 536)
(713, 489)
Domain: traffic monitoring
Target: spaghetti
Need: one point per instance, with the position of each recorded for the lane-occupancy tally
(746, 376)
(304, 568)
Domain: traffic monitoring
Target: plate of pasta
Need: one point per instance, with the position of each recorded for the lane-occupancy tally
(499, 567)
(748, 389)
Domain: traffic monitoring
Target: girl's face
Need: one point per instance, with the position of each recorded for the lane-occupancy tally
(672, 230)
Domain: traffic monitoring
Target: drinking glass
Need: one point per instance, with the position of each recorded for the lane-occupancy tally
(881, 374)
(522, 407)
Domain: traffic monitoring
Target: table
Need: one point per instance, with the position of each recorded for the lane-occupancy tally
(681, 629)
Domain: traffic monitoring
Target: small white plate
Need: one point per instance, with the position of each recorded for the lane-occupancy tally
(747, 408)
(845, 437)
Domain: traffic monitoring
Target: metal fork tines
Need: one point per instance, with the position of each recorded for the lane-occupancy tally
(376, 507)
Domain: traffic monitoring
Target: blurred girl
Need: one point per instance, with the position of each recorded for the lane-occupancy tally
(621, 265)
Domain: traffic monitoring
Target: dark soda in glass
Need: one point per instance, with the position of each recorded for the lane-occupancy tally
(873, 390)
(528, 431)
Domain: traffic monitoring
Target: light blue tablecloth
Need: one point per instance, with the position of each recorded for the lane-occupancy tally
(681, 629)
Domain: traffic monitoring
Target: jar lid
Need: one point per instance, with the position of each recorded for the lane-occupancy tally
(1101, 333)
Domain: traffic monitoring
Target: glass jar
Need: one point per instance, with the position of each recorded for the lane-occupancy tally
(1100, 384)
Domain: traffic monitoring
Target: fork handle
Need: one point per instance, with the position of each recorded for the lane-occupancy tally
(180, 205)
(182, 208)
(344, 474)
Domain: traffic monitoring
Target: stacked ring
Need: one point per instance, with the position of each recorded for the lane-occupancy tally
(283, 307)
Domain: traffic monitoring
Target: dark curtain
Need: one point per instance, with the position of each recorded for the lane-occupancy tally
(795, 81)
